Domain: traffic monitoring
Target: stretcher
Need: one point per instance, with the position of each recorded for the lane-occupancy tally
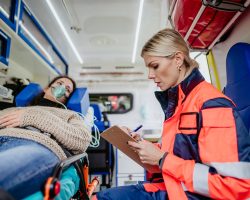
(70, 176)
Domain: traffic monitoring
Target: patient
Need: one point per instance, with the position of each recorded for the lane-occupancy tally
(32, 138)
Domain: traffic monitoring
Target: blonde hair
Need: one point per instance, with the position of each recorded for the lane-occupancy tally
(166, 43)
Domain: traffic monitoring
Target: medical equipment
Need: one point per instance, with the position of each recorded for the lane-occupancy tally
(58, 91)
(4, 92)
(6, 95)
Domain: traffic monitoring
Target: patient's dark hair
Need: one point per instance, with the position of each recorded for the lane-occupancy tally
(40, 96)
(63, 76)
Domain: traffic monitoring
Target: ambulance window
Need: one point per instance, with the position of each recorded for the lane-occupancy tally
(116, 103)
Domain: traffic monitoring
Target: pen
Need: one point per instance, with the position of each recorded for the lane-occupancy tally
(136, 129)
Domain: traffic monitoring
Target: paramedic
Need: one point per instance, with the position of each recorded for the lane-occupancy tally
(205, 148)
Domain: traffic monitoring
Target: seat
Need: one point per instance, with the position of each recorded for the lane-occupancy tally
(27, 94)
(70, 178)
(238, 79)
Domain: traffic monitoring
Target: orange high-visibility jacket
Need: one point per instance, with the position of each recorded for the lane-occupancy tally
(207, 143)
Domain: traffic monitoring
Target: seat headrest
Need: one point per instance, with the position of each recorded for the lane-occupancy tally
(28, 94)
(238, 63)
(238, 74)
(79, 100)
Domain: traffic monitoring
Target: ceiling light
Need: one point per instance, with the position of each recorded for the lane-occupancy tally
(64, 31)
(36, 42)
(137, 30)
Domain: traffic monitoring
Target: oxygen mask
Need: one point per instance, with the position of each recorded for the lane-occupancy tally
(58, 91)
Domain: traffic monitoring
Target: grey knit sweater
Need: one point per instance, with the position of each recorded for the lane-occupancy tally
(41, 124)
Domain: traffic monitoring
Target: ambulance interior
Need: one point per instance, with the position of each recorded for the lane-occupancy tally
(98, 43)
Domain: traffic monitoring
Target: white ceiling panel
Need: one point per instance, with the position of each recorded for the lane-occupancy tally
(103, 31)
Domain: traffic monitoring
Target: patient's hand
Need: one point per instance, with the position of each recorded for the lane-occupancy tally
(12, 119)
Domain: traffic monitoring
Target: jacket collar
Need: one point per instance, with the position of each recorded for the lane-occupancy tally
(169, 98)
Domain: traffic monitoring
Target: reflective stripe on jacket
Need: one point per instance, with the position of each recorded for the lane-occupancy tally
(208, 146)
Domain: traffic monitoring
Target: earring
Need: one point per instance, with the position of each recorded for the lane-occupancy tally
(179, 68)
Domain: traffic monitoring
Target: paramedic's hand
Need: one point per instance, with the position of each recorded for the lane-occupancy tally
(147, 151)
(12, 119)
(134, 135)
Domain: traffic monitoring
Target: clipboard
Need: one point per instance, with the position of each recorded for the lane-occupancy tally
(119, 138)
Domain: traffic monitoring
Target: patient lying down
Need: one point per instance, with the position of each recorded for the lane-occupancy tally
(32, 138)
